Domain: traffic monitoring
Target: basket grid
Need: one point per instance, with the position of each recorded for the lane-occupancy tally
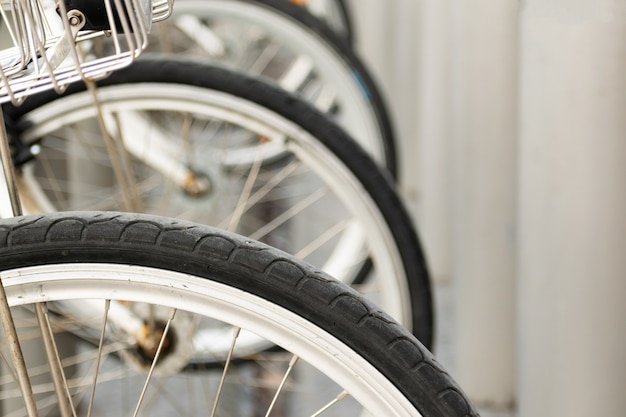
(48, 44)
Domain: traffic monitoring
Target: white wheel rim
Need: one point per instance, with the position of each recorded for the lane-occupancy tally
(133, 283)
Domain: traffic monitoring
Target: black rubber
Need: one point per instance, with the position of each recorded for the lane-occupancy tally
(376, 181)
(209, 253)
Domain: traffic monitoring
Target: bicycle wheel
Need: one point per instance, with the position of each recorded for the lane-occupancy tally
(281, 41)
(338, 348)
(215, 147)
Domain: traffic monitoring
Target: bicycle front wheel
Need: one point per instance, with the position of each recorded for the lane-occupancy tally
(98, 273)
(215, 147)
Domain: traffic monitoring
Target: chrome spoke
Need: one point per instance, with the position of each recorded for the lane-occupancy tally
(154, 362)
(289, 214)
(322, 239)
(122, 177)
(267, 187)
(331, 404)
(107, 305)
(127, 168)
(54, 361)
(279, 390)
(264, 59)
(38, 371)
(160, 394)
(17, 357)
(247, 190)
(236, 332)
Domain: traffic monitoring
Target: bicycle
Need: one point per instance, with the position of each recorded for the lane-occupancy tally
(120, 258)
(52, 124)
(252, 181)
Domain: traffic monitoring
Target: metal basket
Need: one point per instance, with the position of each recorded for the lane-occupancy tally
(48, 44)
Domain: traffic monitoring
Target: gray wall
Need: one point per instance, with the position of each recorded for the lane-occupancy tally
(511, 122)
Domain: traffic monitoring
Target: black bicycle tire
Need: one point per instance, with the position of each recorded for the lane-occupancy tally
(375, 180)
(210, 253)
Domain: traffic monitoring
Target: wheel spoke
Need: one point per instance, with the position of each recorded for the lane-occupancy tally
(154, 362)
(331, 404)
(279, 390)
(17, 357)
(54, 361)
(322, 239)
(236, 332)
(267, 188)
(289, 214)
(107, 305)
(247, 190)
(264, 58)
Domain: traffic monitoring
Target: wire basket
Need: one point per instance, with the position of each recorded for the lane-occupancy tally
(48, 44)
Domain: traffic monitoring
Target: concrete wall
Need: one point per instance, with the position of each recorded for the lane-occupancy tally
(511, 117)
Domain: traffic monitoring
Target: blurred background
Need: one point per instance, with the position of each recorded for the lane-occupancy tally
(511, 116)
